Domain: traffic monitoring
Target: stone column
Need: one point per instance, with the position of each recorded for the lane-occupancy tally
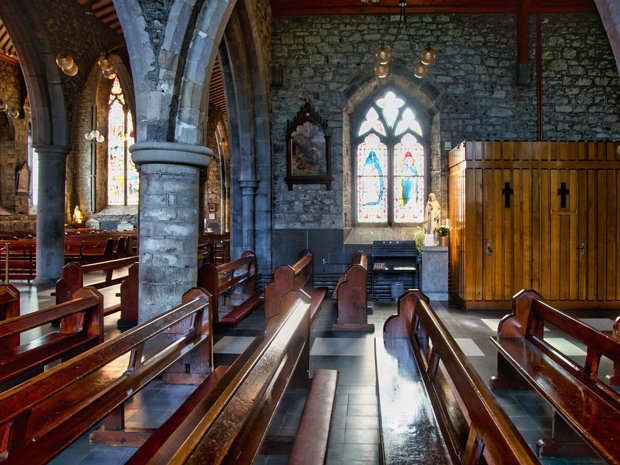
(248, 194)
(51, 213)
(169, 214)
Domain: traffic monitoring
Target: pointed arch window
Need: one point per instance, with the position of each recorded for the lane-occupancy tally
(390, 162)
(123, 178)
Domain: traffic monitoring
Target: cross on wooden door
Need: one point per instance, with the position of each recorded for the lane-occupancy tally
(507, 192)
(563, 191)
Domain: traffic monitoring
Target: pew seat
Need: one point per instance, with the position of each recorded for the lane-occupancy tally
(242, 310)
(311, 439)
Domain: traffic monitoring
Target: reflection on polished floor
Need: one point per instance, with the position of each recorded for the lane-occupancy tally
(355, 431)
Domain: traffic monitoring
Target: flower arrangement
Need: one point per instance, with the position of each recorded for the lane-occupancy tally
(443, 231)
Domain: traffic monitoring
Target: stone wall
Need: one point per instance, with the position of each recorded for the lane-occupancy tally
(327, 56)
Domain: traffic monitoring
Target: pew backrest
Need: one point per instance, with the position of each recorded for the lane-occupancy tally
(238, 275)
(469, 410)
(298, 276)
(81, 327)
(528, 318)
(9, 308)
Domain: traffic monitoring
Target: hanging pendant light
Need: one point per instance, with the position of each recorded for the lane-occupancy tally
(105, 63)
(383, 54)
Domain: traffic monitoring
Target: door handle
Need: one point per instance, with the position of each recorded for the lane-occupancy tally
(582, 249)
(489, 249)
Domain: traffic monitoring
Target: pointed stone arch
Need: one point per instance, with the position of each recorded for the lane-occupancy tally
(427, 95)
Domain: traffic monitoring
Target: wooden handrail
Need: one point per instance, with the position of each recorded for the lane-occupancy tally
(490, 428)
(109, 264)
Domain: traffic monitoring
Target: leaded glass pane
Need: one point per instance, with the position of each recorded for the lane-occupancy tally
(408, 121)
(372, 180)
(408, 180)
(116, 153)
(372, 121)
(390, 106)
(133, 177)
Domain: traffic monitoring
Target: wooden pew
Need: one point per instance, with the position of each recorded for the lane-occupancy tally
(18, 258)
(89, 248)
(237, 277)
(129, 299)
(614, 378)
(583, 405)
(474, 427)
(298, 276)
(352, 295)
(73, 279)
(56, 407)
(229, 423)
(9, 308)
(81, 327)
(9, 301)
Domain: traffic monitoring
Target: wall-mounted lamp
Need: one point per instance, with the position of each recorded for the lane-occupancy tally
(67, 64)
(94, 135)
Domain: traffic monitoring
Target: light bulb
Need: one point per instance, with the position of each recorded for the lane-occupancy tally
(105, 63)
(420, 70)
(428, 55)
(381, 70)
(110, 74)
(13, 113)
(87, 136)
(71, 71)
(100, 138)
(64, 61)
(383, 54)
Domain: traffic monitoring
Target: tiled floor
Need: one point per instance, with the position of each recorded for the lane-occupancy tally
(355, 432)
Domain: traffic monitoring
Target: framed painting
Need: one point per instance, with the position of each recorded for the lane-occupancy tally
(308, 149)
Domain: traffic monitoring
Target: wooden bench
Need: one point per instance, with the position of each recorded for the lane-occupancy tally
(236, 281)
(584, 406)
(298, 276)
(81, 327)
(89, 248)
(18, 258)
(351, 292)
(9, 308)
(420, 356)
(228, 424)
(73, 279)
(54, 408)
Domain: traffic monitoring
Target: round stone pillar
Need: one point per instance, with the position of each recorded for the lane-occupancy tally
(248, 194)
(51, 213)
(169, 214)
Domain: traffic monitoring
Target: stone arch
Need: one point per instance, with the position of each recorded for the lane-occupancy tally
(245, 74)
(429, 96)
(43, 77)
(609, 11)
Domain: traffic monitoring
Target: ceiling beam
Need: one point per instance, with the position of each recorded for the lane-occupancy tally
(341, 7)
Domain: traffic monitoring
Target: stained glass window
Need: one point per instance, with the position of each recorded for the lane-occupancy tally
(390, 163)
(123, 178)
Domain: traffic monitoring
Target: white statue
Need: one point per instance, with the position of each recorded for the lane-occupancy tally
(432, 214)
(23, 180)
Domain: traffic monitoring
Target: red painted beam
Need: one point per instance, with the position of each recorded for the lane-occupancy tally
(523, 43)
(343, 7)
